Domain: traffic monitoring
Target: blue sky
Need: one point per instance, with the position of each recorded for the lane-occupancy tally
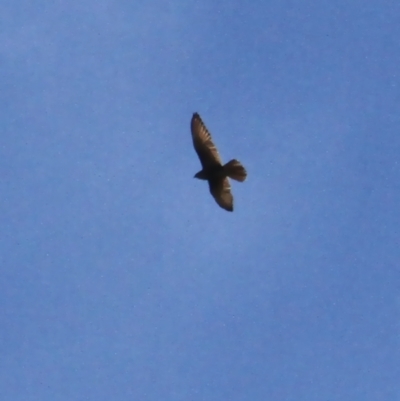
(121, 279)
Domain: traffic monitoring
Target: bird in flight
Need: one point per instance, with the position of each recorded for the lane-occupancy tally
(213, 170)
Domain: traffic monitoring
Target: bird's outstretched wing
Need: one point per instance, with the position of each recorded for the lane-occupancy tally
(203, 144)
(220, 189)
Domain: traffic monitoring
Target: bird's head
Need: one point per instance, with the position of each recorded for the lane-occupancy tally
(200, 175)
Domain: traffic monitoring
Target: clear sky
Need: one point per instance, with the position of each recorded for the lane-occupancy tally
(121, 279)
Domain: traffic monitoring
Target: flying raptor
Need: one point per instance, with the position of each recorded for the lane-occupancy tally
(213, 170)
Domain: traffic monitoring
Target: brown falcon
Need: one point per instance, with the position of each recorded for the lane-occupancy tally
(213, 170)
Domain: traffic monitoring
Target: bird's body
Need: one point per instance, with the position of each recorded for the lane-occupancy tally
(213, 170)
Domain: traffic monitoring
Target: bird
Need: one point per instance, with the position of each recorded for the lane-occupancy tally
(213, 170)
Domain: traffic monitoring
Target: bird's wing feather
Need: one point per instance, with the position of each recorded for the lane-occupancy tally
(203, 144)
(220, 189)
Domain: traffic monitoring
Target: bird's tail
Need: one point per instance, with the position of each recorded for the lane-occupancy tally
(235, 170)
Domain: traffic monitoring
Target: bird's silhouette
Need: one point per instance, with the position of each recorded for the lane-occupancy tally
(213, 170)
